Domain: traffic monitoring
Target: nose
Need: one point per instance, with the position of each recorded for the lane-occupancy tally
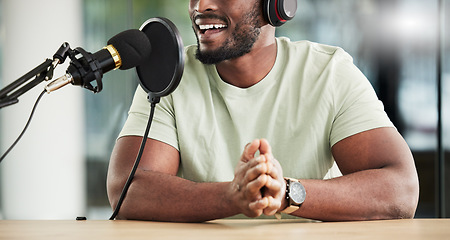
(204, 5)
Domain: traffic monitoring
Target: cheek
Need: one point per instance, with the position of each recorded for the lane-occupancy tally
(192, 6)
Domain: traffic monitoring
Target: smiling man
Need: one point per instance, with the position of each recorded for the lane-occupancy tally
(254, 128)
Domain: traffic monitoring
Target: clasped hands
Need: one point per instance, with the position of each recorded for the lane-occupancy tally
(258, 186)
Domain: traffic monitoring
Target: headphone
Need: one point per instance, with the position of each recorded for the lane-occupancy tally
(278, 12)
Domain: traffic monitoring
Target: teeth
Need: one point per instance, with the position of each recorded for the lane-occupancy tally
(212, 26)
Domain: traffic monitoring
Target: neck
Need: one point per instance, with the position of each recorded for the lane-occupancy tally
(251, 68)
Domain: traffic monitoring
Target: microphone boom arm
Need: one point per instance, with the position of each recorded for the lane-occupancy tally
(42, 72)
(9, 95)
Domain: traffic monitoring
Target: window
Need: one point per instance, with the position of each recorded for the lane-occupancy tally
(394, 42)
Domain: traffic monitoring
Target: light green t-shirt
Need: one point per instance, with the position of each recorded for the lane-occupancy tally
(313, 97)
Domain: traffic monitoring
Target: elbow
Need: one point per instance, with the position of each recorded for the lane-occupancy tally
(408, 206)
(130, 208)
(403, 191)
(113, 197)
(397, 199)
(404, 199)
(113, 191)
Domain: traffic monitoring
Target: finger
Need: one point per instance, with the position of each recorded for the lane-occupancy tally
(255, 169)
(274, 187)
(274, 168)
(272, 206)
(274, 161)
(247, 172)
(265, 147)
(257, 160)
(259, 204)
(243, 168)
(254, 187)
(244, 165)
(250, 150)
(254, 214)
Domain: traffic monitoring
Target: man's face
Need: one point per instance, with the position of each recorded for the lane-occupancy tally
(225, 29)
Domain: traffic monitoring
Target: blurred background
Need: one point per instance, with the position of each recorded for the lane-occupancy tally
(58, 170)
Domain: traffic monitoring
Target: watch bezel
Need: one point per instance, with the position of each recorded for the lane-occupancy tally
(296, 189)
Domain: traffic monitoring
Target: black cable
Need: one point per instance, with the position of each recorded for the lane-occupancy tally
(136, 164)
(26, 127)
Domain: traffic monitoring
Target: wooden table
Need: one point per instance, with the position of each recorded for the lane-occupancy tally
(226, 229)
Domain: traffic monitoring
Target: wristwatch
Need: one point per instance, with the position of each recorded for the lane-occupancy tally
(295, 195)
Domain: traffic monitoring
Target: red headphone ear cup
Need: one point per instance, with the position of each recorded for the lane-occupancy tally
(286, 9)
(278, 12)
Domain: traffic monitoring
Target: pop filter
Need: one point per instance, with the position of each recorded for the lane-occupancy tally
(161, 72)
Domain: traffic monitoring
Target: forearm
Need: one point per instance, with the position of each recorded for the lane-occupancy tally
(366, 195)
(163, 197)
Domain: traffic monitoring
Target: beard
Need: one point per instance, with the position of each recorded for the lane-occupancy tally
(240, 43)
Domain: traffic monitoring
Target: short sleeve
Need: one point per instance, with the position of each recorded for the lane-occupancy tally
(163, 126)
(357, 107)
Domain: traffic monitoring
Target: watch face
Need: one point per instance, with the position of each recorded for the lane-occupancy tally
(297, 192)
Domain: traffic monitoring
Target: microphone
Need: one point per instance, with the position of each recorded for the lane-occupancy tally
(125, 50)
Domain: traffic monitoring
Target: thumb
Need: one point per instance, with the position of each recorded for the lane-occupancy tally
(265, 147)
(250, 150)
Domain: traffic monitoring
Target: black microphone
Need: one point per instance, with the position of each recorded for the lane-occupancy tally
(125, 50)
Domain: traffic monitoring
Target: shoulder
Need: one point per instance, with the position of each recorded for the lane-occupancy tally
(312, 50)
(319, 65)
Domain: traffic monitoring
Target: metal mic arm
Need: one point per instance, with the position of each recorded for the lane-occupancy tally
(11, 93)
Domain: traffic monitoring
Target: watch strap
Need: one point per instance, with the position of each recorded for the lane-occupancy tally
(291, 207)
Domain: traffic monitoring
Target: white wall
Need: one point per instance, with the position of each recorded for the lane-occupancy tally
(43, 177)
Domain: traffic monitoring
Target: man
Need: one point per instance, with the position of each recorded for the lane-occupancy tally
(253, 109)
